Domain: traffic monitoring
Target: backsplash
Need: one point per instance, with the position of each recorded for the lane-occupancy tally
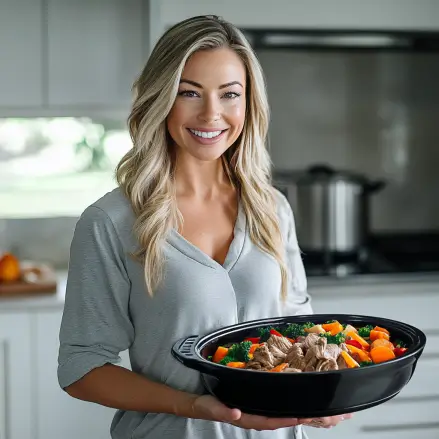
(374, 113)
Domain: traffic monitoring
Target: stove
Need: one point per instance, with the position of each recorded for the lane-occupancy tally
(385, 254)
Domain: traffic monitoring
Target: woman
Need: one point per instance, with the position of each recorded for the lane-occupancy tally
(195, 238)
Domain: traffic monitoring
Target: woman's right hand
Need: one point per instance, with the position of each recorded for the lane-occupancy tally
(210, 408)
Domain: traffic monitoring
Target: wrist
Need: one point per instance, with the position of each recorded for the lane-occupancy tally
(184, 405)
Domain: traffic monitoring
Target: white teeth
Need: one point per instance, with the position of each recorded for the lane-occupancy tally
(206, 135)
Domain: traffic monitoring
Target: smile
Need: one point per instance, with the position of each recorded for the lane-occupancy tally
(206, 134)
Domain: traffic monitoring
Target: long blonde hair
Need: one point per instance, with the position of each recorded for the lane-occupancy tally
(145, 173)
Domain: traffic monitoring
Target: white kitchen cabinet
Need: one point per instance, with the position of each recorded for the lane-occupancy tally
(412, 413)
(21, 55)
(95, 51)
(58, 414)
(311, 14)
(16, 361)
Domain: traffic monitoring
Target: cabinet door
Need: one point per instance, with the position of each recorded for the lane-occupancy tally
(95, 50)
(15, 377)
(21, 53)
(58, 414)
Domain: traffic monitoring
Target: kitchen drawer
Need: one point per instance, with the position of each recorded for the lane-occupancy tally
(387, 416)
(419, 310)
(423, 386)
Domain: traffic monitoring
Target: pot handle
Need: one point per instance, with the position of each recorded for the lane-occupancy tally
(184, 351)
(374, 186)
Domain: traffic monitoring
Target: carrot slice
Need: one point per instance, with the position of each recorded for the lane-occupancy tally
(351, 363)
(379, 328)
(362, 354)
(220, 353)
(381, 354)
(375, 335)
(334, 328)
(382, 342)
(236, 364)
(253, 347)
(360, 340)
(279, 368)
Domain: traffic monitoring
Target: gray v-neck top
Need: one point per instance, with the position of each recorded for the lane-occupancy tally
(107, 309)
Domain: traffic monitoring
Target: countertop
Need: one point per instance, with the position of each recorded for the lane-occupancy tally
(404, 282)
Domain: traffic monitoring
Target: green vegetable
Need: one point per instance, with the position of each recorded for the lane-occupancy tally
(238, 352)
(365, 331)
(365, 363)
(264, 333)
(399, 344)
(334, 339)
(226, 360)
(294, 330)
(210, 357)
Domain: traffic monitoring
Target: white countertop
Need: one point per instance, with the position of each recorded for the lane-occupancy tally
(405, 282)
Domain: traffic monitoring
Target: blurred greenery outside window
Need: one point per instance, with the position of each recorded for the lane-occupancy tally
(51, 167)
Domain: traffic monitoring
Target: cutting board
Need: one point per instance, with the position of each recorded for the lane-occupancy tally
(43, 283)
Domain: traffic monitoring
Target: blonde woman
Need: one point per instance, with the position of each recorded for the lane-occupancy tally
(193, 239)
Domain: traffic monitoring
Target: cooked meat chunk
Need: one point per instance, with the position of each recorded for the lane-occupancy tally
(314, 353)
(263, 356)
(281, 343)
(332, 351)
(278, 355)
(256, 365)
(295, 357)
(291, 370)
(311, 340)
(329, 364)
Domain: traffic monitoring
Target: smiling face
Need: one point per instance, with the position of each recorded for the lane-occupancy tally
(209, 111)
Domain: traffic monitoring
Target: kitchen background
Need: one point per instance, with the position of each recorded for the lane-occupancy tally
(369, 108)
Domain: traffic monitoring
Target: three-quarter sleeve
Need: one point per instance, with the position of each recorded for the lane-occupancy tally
(298, 300)
(95, 325)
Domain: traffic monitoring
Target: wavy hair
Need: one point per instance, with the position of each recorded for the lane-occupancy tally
(145, 173)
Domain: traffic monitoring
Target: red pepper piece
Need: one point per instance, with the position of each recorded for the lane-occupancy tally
(274, 332)
(254, 340)
(354, 343)
(399, 351)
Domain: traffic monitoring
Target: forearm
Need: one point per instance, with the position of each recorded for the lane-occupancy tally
(120, 388)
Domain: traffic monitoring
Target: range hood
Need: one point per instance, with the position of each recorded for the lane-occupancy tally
(331, 39)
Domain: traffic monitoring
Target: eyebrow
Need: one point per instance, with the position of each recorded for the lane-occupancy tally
(196, 84)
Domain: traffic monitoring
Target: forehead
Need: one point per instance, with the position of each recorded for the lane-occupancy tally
(215, 67)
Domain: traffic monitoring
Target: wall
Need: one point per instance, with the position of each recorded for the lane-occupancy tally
(373, 113)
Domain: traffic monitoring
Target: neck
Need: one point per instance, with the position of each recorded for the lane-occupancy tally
(202, 180)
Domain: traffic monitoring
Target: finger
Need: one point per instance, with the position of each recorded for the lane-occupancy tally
(224, 413)
(256, 422)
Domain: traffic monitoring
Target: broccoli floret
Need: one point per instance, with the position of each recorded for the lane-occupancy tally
(365, 331)
(334, 339)
(226, 359)
(264, 333)
(239, 352)
(294, 330)
(399, 344)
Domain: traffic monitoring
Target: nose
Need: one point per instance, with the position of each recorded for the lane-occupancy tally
(211, 110)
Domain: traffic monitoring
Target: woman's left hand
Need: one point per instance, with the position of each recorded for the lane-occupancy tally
(327, 422)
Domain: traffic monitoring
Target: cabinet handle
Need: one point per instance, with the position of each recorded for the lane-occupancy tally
(411, 399)
(400, 427)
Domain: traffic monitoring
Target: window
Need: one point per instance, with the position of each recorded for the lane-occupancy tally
(52, 167)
